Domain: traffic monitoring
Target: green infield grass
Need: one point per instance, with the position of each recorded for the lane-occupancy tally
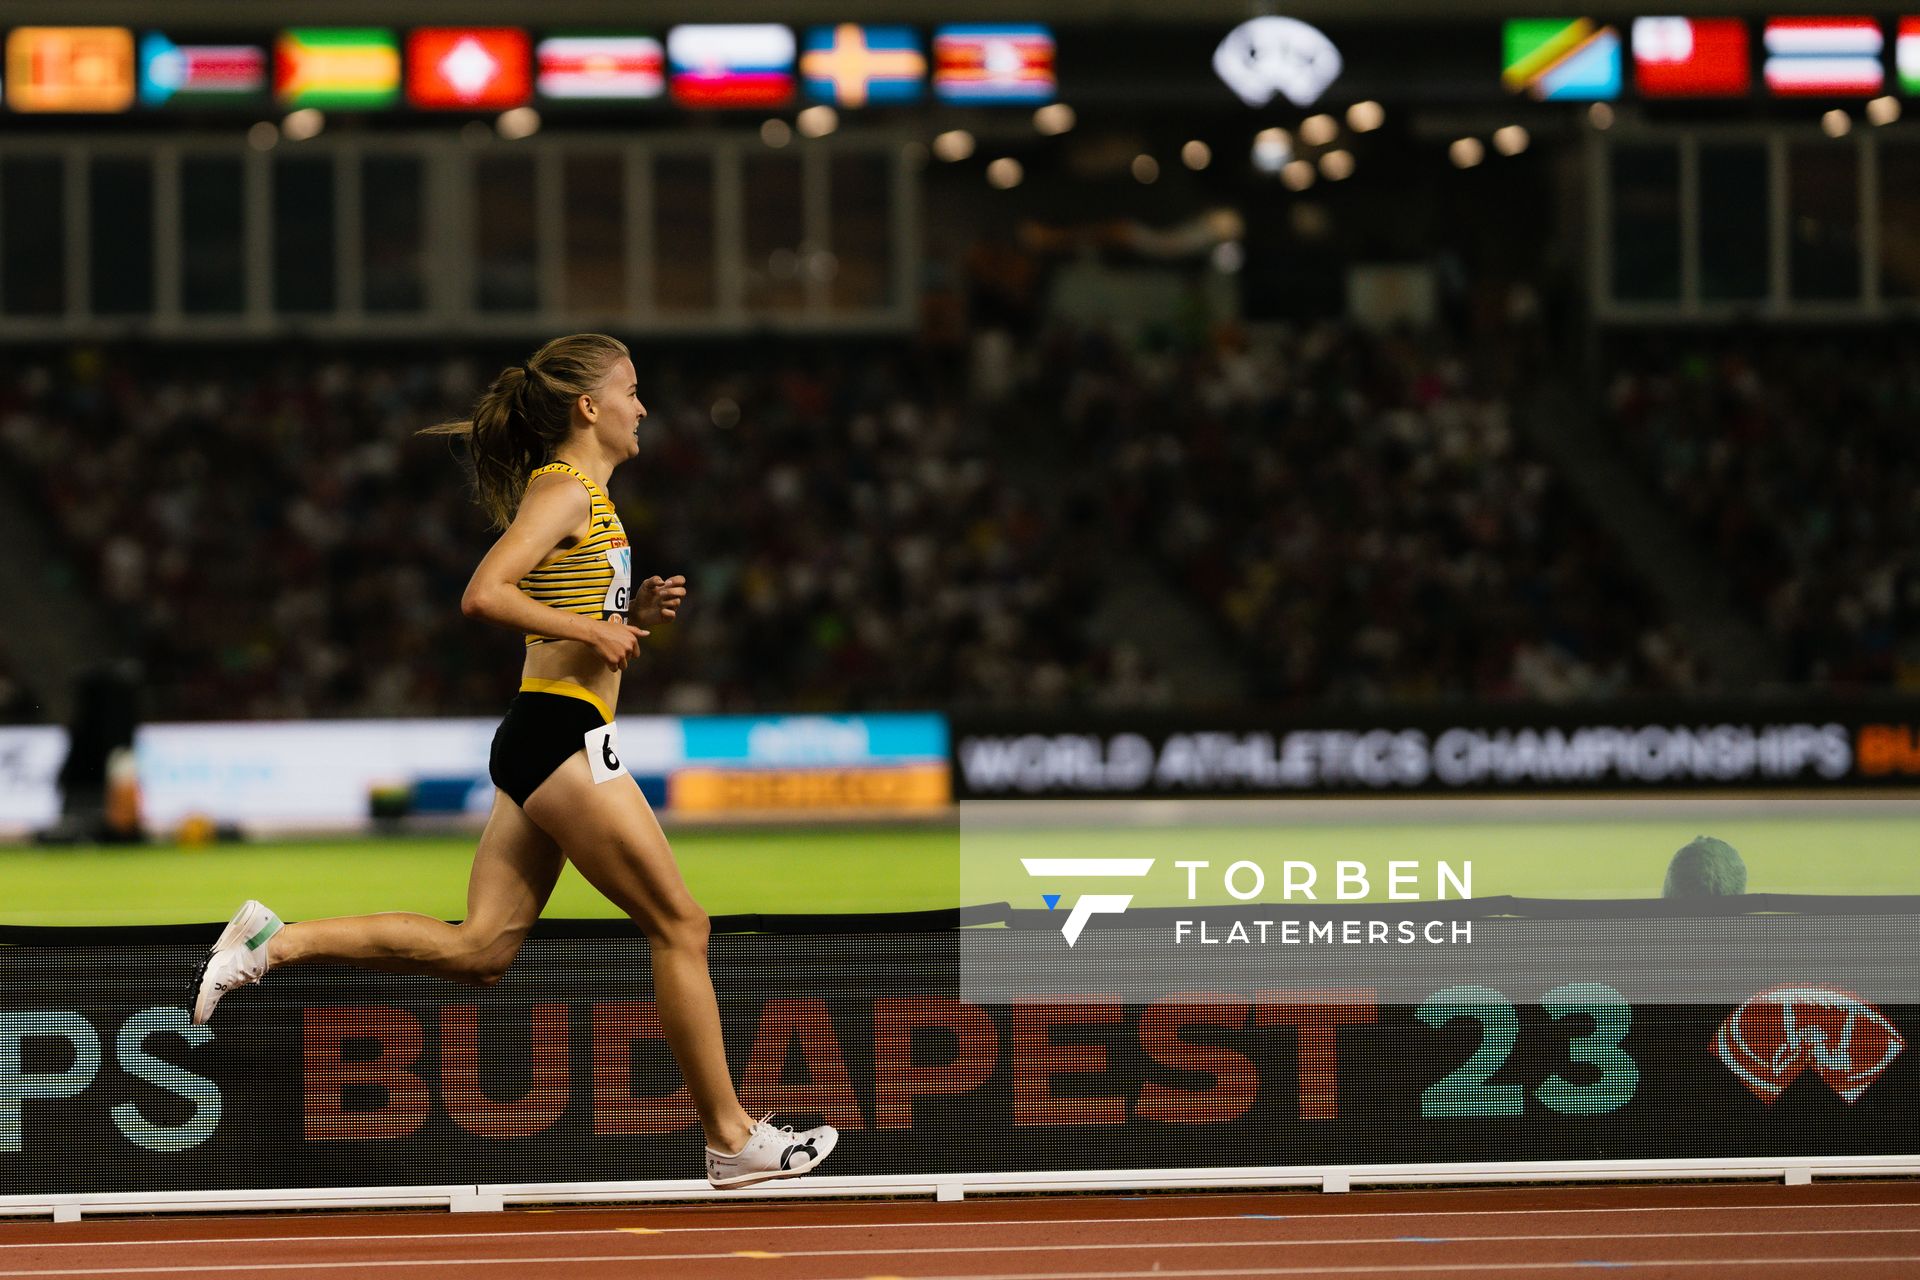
(842, 870)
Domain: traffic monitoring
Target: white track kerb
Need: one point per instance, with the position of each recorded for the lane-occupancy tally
(955, 1186)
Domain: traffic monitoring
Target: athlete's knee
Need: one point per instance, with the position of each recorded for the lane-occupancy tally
(482, 960)
(684, 926)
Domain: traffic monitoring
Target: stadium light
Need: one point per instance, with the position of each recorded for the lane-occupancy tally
(1466, 152)
(300, 125)
(1836, 123)
(1297, 175)
(263, 136)
(1511, 140)
(1196, 155)
(1005, 173)
(1146, 170)
(953, 145)
(1318, 131)
(1272, 148)
(1600, 115)
(1365, 117)
(520, 122)
(817, 122)
(1336, 165)
(776, 133)
(1054, 119)
(1229, 257)
(1883, 110)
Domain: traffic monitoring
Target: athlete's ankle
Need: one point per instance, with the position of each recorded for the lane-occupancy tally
(729, 1136)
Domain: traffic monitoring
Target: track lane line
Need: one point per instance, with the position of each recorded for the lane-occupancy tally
(944, 1224)
(928, 1251)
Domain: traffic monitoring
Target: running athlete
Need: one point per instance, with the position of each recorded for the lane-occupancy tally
(544, 439)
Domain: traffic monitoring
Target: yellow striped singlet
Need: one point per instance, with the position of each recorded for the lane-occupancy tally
(593, 577)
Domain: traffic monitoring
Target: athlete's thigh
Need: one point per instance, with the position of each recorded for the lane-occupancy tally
(514, 870)
(608, 830)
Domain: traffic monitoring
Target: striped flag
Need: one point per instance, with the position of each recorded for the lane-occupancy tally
(605, 67)
(986, 65)
(337, 67)
(198, 73)
(1906, 55)
(1824, 57)
(733, 64)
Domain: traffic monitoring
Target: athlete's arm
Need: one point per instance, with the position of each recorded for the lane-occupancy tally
(554, 508)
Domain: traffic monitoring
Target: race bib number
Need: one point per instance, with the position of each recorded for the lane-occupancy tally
(603, 753)
(619, 591)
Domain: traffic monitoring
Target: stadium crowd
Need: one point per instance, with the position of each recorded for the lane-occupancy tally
(1353, 513)
(1359, 517)
(1792, 458)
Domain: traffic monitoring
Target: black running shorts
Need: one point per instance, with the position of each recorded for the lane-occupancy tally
(541, 730)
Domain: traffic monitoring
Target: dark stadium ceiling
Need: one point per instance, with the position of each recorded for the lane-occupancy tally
(628, 13)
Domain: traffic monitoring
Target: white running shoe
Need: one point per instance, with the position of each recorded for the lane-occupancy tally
(238, 958)
(771, 1153)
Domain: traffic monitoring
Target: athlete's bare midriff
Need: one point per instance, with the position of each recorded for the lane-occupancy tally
(572, 660)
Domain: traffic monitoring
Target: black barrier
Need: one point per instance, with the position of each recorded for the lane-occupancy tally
(1520, 749)
(330, 1077)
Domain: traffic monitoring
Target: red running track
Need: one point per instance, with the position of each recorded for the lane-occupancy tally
(1859, 1230)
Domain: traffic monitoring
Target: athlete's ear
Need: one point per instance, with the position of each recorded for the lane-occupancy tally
(588, 409)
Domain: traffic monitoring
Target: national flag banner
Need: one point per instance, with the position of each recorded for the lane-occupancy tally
(607, 68)
(1692, 58)
(469, 68)
(1561, 59)
(987, 65)
(851, 65)
(341, 68)
(183, 74)
(1824, 57)
(731, 64)
(85, 69)
(1906, 55)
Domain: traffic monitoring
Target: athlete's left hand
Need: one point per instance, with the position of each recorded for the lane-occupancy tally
(657, 599)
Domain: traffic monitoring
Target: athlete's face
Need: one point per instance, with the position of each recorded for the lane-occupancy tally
(616, 410)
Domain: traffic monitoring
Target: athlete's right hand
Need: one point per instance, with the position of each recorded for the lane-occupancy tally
(615, 642)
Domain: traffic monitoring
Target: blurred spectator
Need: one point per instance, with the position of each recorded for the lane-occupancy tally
(1792, 456)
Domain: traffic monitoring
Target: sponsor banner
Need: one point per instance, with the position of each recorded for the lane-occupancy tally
(324, 1077)
(1561, 59)
(1105, 756)
(200, 74)
(334, 774)
(468, 68)
(70, 69)
(731, 64)
(992, 65)
(1692, 58)
(600, 68)
(1824, 57)
(915, 788)
(851, 65)
(339, 68)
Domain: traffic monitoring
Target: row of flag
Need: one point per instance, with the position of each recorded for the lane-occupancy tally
(759, 65)
(1581, 60)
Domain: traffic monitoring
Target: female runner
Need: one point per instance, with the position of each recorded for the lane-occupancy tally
(544, 439)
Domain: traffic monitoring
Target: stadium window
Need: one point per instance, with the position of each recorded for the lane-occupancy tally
(1823, 222)
(212, 233)
(1646, 223)
(506, 243)
(120, 236)
(1732, 227)
(862, 204)
(33, 278)
(393, 233)
(595, 218)
(1899, 263)
(303, 219)
(683, 241)
(775, 218)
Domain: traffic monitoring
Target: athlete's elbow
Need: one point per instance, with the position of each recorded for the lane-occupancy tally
(476, 602)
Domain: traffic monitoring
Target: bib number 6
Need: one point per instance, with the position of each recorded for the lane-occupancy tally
(603, 753)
